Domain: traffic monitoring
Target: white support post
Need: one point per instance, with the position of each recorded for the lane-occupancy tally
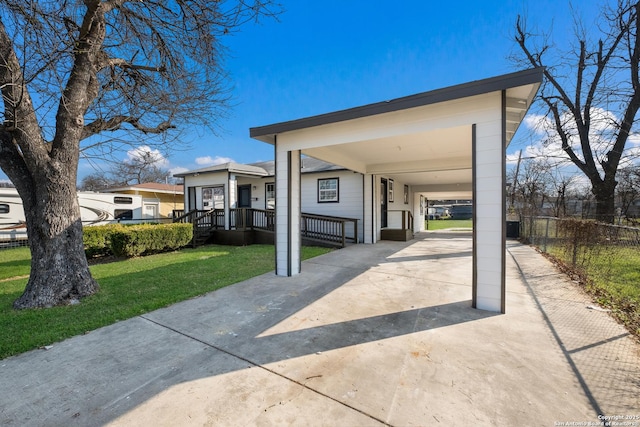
(369, 213)
(231, 190)
(489, 216)
(288, 213)
(418, 218)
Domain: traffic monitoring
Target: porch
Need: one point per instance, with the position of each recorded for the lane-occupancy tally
(249, 226)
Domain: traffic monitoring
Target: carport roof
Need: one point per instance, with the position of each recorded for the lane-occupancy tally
(478, 87)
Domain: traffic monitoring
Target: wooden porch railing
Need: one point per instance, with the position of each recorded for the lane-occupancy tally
(253, 219)
(323, 228)
(213, 218)
(329, 228)
(204, 222)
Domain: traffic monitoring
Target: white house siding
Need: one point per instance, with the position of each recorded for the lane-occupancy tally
(350, 197)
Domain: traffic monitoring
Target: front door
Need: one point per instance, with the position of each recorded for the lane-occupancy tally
(244, 201)
(150, 211)
(383, 203)
(244, 196)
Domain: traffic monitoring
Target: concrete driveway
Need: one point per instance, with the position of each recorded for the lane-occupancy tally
(368, 335)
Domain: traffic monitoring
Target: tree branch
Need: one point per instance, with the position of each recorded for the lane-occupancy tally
(536, 61)
(602, 62)
(115, 123)
(81, 88)
(107, 62)
(21, 126)
(610, 165)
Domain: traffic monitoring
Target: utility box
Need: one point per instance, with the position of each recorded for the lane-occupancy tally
(513, 229)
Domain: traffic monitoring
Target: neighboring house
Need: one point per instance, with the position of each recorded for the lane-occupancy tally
(158, 200)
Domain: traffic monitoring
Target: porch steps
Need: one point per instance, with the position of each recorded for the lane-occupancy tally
(396, 234)
(200, 237)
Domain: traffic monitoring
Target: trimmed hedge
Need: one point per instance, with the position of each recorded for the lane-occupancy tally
(97, 239)
(135, 240)
(147, 238)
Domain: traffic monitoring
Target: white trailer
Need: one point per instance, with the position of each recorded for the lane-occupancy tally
(95, 209)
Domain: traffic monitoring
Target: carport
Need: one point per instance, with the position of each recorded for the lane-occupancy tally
(445, 143)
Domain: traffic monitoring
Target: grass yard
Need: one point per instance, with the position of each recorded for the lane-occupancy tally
(14, 262)
(129, 288)
(443, 224)
(612, 275)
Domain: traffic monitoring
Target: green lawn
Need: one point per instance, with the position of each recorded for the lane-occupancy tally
(443, 224)
(128, 288)
(14, 262)
(612, 276)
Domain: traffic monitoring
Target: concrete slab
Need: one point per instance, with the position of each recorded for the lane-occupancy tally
(368, 335)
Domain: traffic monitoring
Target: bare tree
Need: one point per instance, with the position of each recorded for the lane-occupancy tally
(629, 191)
(97, 181)
(143, 167)
(533, 185)
(74, 71)
(591, 94)
(561, 188)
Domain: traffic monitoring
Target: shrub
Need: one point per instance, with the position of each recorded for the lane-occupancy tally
(97, 239)
(147, 238)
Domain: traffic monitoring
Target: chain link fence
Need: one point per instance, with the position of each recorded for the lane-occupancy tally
(604, 258)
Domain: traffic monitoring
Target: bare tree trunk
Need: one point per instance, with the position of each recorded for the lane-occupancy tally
(605, 202)
(59, 269)
(161, 65)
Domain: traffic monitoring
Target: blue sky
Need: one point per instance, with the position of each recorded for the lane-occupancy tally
(336, 54)
(322, 56)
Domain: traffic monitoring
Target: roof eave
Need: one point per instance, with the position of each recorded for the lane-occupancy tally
(520, 78)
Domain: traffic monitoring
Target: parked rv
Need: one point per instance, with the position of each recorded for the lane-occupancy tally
(95, 209)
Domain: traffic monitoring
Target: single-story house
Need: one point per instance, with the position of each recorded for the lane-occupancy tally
(327, 190)
(158, 200)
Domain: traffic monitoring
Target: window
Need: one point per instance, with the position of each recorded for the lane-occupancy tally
(123, 200)
(406, 194)
(391, 191)
(270, 195)
(213, 197)
(328, 190)
(123, 214)
(4, 208)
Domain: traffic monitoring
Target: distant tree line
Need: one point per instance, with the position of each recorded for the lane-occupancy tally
(540, 187)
